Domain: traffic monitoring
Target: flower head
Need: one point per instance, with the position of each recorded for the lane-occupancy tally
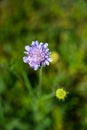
(37, 55)
(61, 93)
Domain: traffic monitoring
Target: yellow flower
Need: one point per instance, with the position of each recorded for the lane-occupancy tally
(61, 93)
(55, 57)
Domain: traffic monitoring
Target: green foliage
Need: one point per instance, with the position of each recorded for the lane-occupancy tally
(63, 24)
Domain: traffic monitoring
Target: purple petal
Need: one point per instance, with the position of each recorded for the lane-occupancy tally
(33, 43)
(45, 45)
(27, 48)
(36, 67)
(41, 43)
(43, 64)
(50, 60)
(25, 59)
(37, 43)
(47, 50)
(47, 62)
(26, 52)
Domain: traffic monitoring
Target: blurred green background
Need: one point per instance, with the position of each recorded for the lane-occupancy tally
(63, 24)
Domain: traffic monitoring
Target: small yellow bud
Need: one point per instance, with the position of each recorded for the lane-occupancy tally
(61, 93)
(55, 57)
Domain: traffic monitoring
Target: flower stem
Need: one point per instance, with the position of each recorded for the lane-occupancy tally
(27, 83)
(40, 83)
(48, 96)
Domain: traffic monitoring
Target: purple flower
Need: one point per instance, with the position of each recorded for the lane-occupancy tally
(37, 55)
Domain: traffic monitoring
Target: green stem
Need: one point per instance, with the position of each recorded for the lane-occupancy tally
(48, 96)
(40, 82)
(27, 83)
